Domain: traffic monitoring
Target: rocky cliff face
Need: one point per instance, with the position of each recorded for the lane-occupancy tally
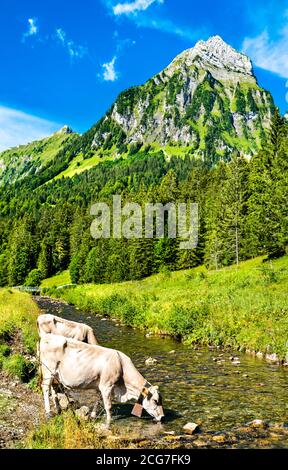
(207, 99)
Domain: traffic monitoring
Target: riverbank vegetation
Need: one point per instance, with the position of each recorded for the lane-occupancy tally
(18, 333)
(68, 432)
(242, 307)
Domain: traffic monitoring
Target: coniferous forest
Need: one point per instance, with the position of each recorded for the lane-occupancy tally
(45, 224)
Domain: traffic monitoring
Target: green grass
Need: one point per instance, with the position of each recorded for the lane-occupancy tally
(68, 432)
(79, 164)
(244, 307)
(18, 314)
(18, 366)
(57, 280)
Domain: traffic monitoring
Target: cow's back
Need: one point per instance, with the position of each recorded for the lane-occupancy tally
(51, 324)
(86, 366)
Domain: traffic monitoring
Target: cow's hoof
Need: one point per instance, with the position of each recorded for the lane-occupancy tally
(49, 415)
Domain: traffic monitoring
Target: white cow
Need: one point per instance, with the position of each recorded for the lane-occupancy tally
(78, 365)
(48, 323)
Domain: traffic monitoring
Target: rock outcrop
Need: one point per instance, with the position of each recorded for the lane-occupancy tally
(207, 99)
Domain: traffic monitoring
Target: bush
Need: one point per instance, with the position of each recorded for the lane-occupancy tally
(269, 275)
(18, 366)
(34, 278)
(4, 350)
(183, 321)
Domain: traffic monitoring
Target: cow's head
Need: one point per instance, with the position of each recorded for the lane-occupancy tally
(151, 402)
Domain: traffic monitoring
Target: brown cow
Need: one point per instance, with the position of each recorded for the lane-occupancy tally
(48, 323)
(77, 365)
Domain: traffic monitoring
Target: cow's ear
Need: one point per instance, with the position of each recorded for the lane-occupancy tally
(145, 392)
(137, 410)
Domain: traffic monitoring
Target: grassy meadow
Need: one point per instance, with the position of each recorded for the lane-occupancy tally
(60, 279)
(18, 333)
(242, 307)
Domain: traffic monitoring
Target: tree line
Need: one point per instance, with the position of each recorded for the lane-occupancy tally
(242, 214)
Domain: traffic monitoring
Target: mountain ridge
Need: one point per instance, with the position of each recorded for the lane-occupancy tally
(206, 103)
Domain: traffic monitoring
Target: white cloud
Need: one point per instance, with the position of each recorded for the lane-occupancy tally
(75, 51)
(267, 53)
(17, 127)
(136, 12)
(168, 26)
(133, 7)
(110, 74)
(32, 28)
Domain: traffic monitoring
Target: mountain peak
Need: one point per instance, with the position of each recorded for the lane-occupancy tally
(216, 56)
(65, 130)
(207, 100)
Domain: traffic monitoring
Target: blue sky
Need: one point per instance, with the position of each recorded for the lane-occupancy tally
(64, 62)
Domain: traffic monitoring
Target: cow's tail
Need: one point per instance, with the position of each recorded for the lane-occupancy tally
(91, 337)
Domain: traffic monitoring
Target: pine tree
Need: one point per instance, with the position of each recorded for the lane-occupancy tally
(267, 204)
(140, 257)
(234, 199)
(45, 264)
(21, 253)
(3, 269)
(95, 265)
(77, 265)
(225, 214)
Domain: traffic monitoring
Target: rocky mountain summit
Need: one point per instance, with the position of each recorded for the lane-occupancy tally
(207, 99)
(218, 57)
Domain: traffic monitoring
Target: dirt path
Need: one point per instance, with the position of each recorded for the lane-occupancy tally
(20, 410)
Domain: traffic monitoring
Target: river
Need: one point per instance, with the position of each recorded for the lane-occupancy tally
(198, 385)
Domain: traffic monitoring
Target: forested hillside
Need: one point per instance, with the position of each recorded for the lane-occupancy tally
(242, 206)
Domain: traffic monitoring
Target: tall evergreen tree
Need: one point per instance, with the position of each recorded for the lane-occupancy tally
(267, 209)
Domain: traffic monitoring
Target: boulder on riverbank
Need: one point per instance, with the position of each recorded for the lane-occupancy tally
(151, 361)
(258, 423)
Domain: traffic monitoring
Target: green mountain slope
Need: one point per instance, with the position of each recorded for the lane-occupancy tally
(28, 160)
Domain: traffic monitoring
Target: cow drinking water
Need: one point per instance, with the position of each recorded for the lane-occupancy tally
(78, 365)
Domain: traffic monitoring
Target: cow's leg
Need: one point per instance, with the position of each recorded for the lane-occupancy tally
(106, 392)
(46, 386)
(55, 399)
